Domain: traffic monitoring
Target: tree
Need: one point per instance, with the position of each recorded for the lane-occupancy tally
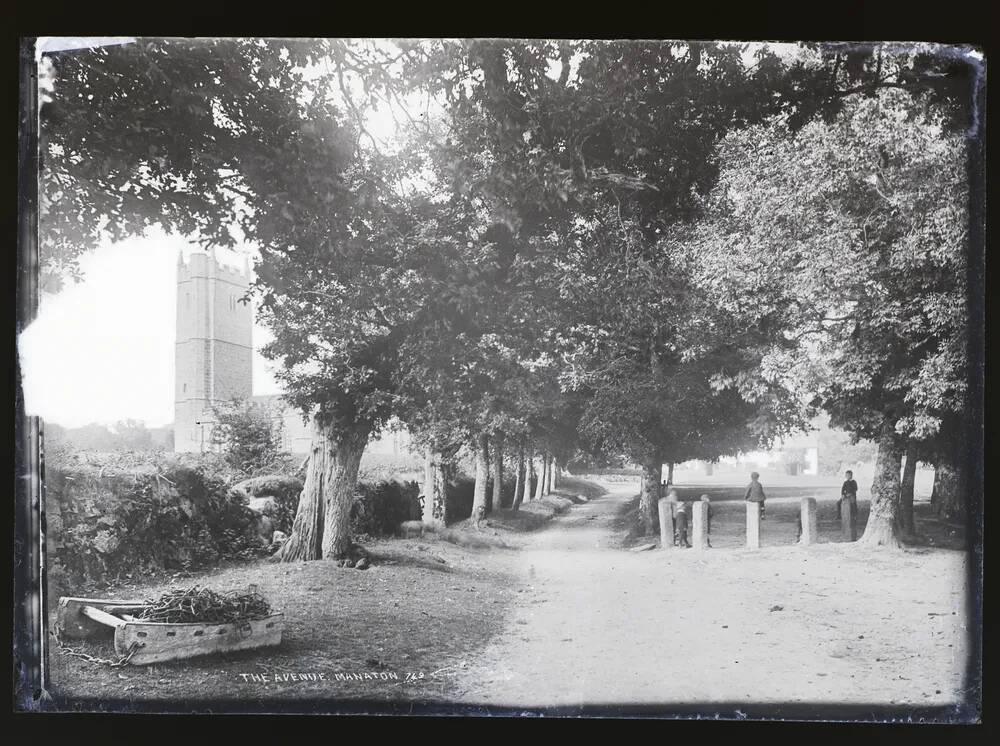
(133, 435)
(92, 437)
(824, 79)
(247, 434)
(860, 277)
(611, 151)
(230, 140)
(533, 243)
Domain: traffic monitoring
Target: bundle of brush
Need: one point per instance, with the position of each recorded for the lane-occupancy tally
(203, 605)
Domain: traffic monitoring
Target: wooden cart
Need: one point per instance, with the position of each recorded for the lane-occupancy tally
(154, 642)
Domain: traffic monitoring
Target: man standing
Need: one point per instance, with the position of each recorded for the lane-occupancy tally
(849, 492)
(755, 492)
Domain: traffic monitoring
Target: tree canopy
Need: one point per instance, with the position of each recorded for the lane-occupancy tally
(664, 249)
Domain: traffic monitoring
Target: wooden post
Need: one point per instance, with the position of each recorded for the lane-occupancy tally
(807, 514)
(848, 526)
(666, 510)
(699, 524)
(753, 525)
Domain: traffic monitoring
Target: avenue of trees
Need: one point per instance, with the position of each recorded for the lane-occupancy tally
(663, 250)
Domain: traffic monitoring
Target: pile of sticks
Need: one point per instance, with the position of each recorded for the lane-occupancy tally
(203, 605)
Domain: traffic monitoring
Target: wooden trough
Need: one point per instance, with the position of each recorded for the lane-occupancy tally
(89, 618)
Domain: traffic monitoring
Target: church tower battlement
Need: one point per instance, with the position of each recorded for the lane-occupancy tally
(214, 349)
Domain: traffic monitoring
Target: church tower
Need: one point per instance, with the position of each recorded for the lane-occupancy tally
(214, 352)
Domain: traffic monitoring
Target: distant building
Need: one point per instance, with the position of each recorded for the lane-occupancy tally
(214, 358)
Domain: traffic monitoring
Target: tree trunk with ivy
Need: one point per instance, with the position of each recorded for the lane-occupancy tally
(906, 522)
(880, 530)
(434, 490)
(306, 538)
(344, 451)
(482, 476)
(649, 495)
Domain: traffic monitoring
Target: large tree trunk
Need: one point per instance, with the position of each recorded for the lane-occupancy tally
(553, 467)
(670, 473)
(519, 480)
(948, 497)
(540, 482)
(497, 501)
(434, 490)
(906, 522)
(344, 452)
(881, 528)
(306, 538)
(482, 476)
(649, 496)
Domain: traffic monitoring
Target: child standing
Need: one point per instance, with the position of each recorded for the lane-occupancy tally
(755, 492)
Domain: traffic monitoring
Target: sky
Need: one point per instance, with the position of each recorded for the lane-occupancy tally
(102, 350)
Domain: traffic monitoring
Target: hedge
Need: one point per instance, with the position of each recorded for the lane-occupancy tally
(168, 516)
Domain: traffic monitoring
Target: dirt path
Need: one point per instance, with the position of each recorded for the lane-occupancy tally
(596, 624)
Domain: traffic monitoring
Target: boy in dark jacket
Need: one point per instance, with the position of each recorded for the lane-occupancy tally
(755, 492)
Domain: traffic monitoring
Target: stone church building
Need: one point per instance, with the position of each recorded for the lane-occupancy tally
(214, 358)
